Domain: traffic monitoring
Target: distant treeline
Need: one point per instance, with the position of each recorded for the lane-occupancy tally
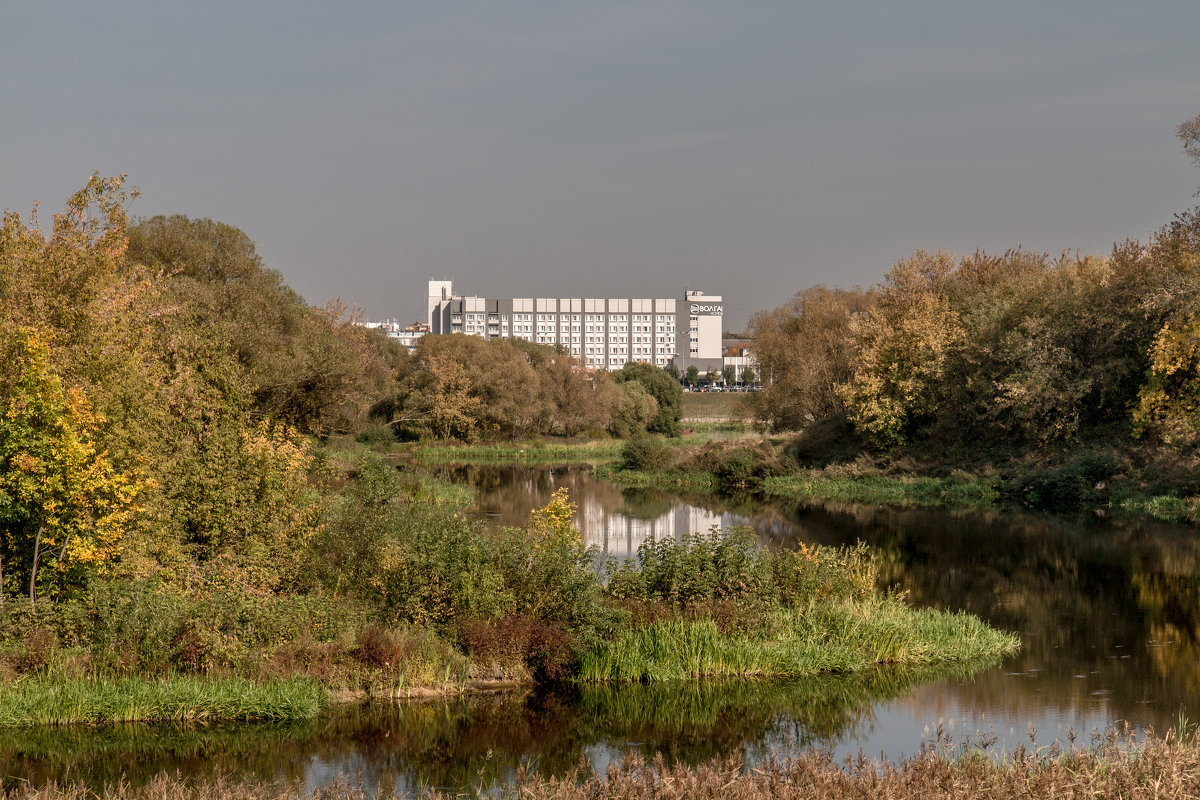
(467, 388)
(1019, 350)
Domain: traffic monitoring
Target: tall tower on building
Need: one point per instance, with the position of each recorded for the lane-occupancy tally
(438, 291)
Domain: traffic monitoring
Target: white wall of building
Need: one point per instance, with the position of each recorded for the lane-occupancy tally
(604, 333)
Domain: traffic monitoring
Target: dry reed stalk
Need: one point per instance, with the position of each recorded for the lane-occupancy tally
(1117, 767)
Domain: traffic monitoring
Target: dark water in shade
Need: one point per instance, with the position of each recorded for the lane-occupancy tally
(1108, 612)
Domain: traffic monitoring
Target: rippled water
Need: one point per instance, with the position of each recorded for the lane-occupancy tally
(1108, 612)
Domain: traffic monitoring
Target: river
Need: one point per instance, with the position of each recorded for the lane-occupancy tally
(1108, 612)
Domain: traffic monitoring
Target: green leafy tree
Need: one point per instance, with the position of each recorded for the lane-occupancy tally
(693, 375)
(667, 394)
(749, 376)
(313, 368)
(729, 375)
(64, 506)
(635, 410)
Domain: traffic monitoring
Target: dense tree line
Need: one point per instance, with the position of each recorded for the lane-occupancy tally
(468, 388)
(1019, 349)
(160, 362)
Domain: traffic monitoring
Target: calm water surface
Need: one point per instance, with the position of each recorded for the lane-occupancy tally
(1108, 613)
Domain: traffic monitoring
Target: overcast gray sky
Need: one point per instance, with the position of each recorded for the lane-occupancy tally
(609, 149)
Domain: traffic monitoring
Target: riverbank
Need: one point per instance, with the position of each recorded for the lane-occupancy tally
(716, 457)
(548, 451)
(960, 491)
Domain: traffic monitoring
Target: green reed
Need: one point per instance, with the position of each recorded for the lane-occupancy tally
(824, 637)
(54, 700)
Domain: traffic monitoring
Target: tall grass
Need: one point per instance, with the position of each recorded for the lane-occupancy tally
(907, 491)
(834, 636)
(688, 481)
(51, 700)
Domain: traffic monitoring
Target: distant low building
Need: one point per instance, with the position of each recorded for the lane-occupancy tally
(739, 356)
(408, 334)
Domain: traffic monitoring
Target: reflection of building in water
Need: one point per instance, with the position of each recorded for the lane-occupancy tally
(620, 534)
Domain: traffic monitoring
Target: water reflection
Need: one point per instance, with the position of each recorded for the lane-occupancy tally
(1108, 609)
(616, 520)
(475, 740)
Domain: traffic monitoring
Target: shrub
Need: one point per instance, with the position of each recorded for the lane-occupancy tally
(699, 568)
(818, 573)
(516, 642)
(377, 436)
(726, 572)
(148, 630)
(376, 482)
(646, 453)
(437, 569)
(1079, 482)
(738, 468)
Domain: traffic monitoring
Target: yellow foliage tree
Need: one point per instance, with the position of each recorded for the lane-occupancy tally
(1169, 403)
(555, 520)
(905, 344)
(63, 505)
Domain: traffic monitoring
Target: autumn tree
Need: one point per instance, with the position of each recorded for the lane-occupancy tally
(1189, 134)
(804, 350)
(1168, 403)
(64, 506)
(313, 368)
(167, 388)
(904, 345)
(573, 397)
(465, 387)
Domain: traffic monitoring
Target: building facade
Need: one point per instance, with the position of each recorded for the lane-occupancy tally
(604, 333)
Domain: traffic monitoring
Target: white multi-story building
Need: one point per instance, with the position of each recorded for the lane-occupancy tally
(603, 333)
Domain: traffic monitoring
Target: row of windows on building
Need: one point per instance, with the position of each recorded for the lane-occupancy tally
(598, 320)
(566, 329)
